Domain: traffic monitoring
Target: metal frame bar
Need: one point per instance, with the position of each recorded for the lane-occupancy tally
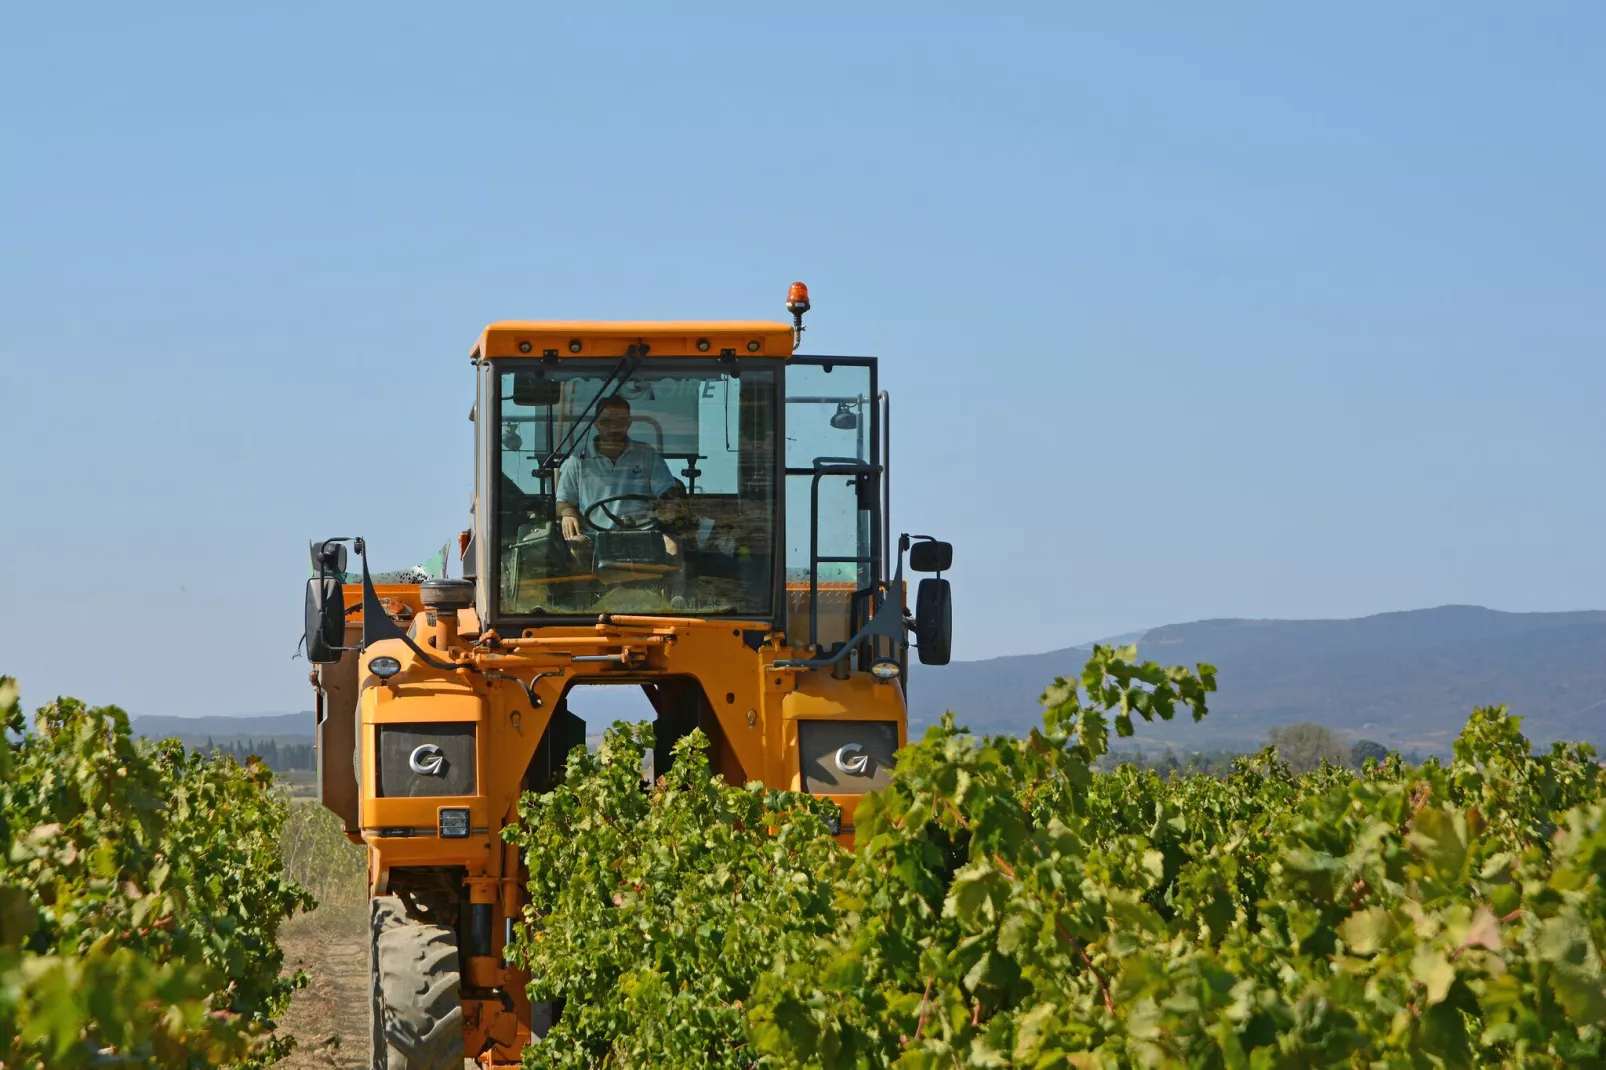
(831, 466)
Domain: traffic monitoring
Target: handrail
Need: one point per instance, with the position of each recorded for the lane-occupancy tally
(827, 466)
(886, 480)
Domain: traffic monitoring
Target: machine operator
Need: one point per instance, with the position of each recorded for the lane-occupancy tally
(613, 463)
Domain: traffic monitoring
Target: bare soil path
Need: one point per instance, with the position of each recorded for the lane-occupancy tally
(329, 1018)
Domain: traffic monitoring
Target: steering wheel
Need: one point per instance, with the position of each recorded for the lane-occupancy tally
(648, 522)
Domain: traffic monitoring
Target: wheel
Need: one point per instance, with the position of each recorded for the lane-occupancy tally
(416, 1004)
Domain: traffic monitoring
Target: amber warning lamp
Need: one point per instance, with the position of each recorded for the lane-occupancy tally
(797, 303)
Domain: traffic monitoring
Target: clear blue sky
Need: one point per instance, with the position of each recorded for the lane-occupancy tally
(1187, 311)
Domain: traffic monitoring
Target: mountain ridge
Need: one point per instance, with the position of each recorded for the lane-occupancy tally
(1405, 678)
(294, 727)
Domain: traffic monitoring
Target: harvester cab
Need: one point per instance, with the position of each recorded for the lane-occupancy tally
(694, 509)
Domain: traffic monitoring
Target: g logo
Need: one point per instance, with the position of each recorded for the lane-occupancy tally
(855, 763)
(427, 760)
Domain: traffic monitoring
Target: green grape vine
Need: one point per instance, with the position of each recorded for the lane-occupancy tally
(1005, 904)
(141, 892)
(652, 912)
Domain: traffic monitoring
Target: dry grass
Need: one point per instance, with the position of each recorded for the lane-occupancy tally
(329, 1019)
(321, 859)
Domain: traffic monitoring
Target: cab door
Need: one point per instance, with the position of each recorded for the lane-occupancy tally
(834, 479)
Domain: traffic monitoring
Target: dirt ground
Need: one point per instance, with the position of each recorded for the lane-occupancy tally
(328, 1018)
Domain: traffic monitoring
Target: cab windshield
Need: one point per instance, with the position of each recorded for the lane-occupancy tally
(656, 495)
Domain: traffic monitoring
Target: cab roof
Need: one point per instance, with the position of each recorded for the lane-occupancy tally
(590, 338)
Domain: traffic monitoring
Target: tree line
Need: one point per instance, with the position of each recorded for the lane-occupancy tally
(1302, 747)
(291, 757)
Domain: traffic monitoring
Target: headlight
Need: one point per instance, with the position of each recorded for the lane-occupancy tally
(885, 669)
(454, 824)
(384, 667)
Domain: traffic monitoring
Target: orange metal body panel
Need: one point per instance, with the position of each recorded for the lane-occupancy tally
(757, 707)
(861, 697)
(663, 339)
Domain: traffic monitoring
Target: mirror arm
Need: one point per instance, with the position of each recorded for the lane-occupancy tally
(889, 622)
(377, 625)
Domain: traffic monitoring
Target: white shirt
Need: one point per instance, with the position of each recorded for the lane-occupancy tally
(588, 476)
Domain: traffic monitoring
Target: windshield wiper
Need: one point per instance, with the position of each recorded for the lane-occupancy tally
(617, 378)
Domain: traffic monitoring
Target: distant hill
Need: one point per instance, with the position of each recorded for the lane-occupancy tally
(280, 727)
(1405, 679)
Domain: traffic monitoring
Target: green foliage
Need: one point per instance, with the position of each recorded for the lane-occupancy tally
(1306, 745)
(654, 908)
(1005, 904)
(985, 882)
(141, 890)
(1365, 750)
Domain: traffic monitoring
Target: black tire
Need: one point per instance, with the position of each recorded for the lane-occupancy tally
(377, 1059)
(416, 1006)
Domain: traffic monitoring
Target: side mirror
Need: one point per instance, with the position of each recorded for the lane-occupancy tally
(326, 619)
(934, 619)
(326, 603)
(931, 556)
(534, 390)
